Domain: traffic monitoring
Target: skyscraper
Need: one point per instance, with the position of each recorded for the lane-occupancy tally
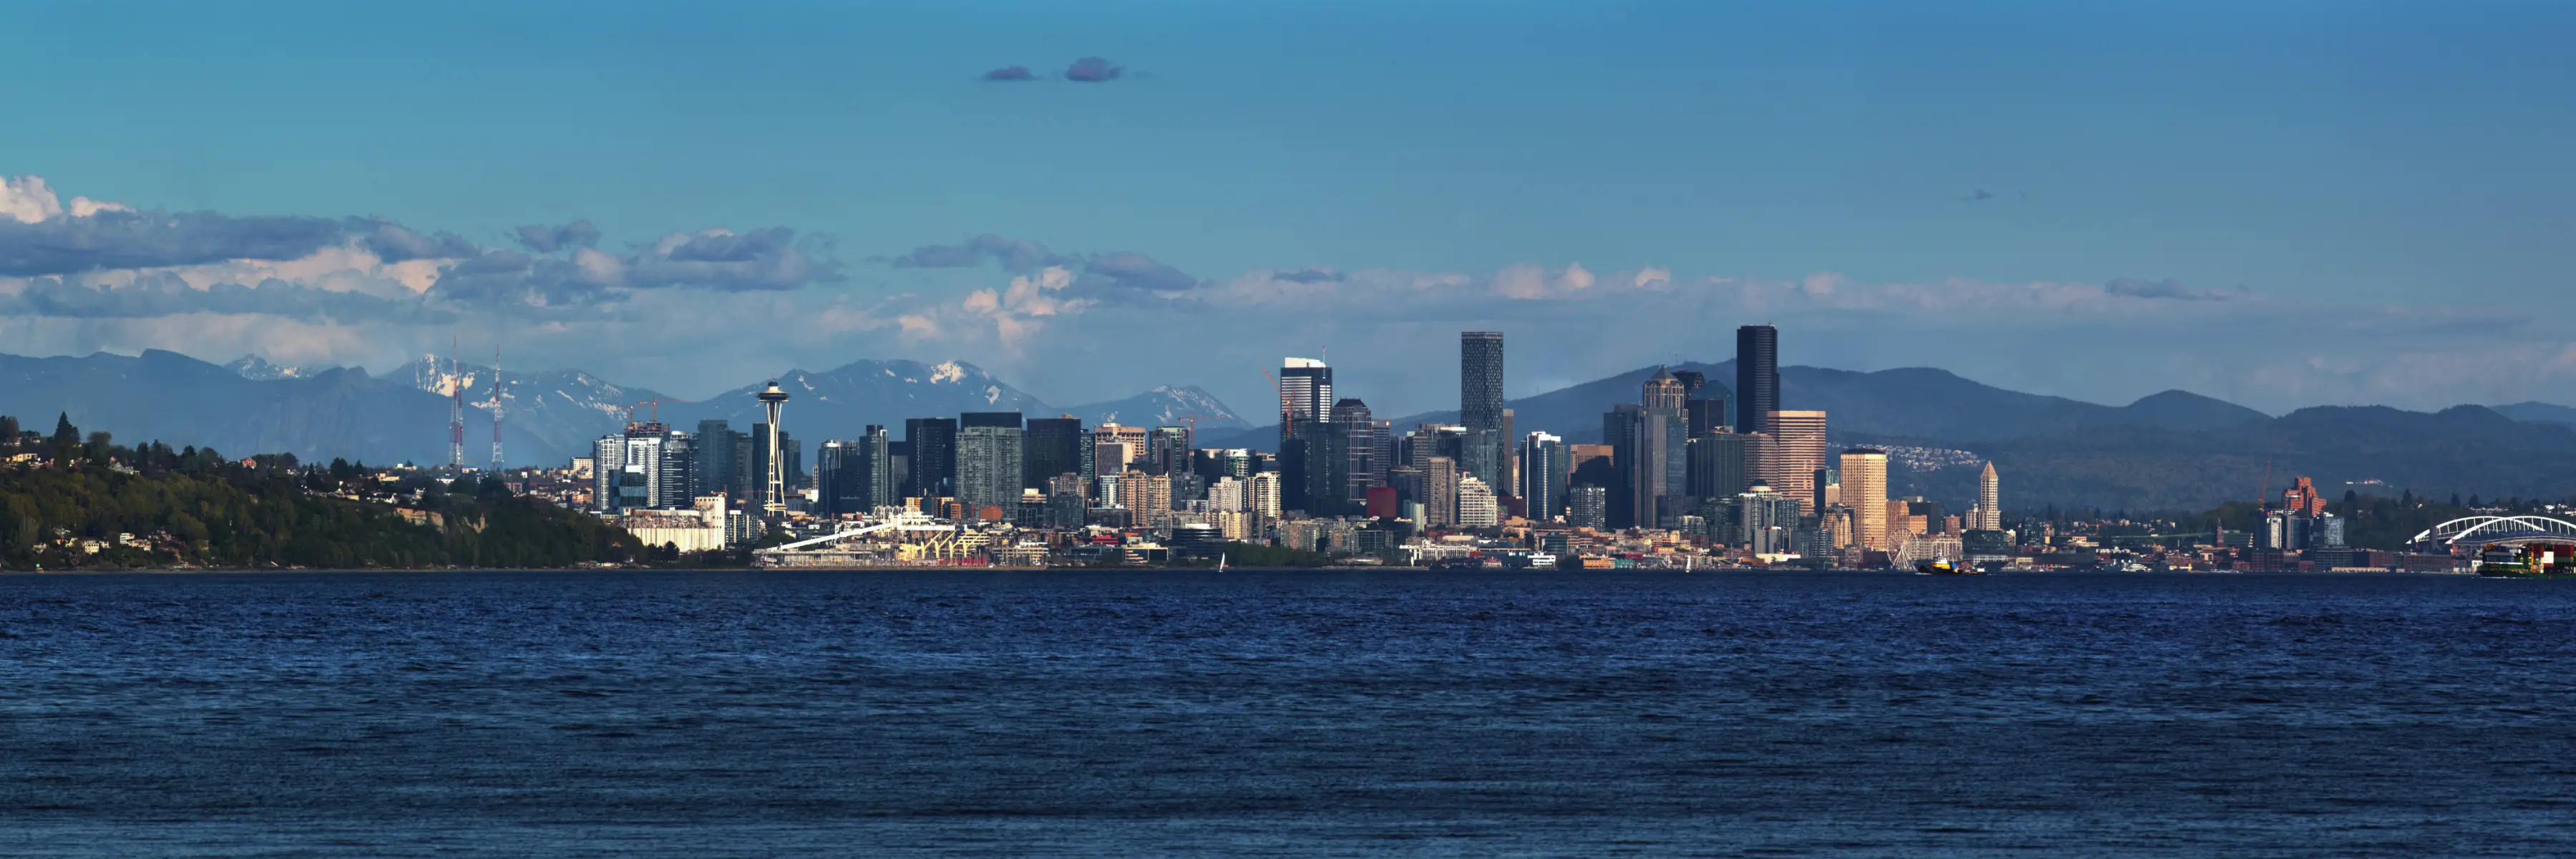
(1439, 492)
(1586, 507)
(714, 447)
(1865, 492)
(1480, 404)
(1799, 439)
(1636, 439)
(1757, 378)
(1315, 465)
(1544, 472)
(988, 462)
(877, 472)
(1716, 466)
(934, 457)
(1359, 449)
(1305, 394)
(1665, 397)
(1990, 500)
(1052, 446)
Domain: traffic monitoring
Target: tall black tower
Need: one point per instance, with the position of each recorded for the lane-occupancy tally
(1757, 377)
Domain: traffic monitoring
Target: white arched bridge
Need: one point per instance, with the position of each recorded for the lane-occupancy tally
(2476, 531)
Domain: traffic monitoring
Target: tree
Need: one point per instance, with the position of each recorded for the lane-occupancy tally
(64, 432)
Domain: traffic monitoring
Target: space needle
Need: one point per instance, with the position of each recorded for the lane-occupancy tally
(774, 484)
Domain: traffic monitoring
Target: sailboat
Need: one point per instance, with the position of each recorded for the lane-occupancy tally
(1220, 562)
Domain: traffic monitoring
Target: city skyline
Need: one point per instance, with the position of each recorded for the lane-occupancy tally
(2034, 241)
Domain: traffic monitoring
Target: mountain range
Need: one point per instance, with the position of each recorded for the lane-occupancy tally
(2169, 451)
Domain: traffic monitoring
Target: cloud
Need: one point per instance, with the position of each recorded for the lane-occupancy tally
(1013, 254)
(1009, 74)
(164, 294)
(2168, 289)
(1092, 70)
(719, 260)
(1309, 275)
(1979, 196)
(546, 240)
(116, 239)
(393, 242)
(1136, 271)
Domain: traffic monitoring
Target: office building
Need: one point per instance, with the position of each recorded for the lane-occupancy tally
(1766, 521)
(1050, 447)
(1359, 449)
(1716, 466)
(1545, 472)
(1990, 499)
(716, 445)
(1757, 377)
(1798, 439)
(1587, 507)
(1305, 395)
(933, 442)
(1315, 467)
(1864, 471)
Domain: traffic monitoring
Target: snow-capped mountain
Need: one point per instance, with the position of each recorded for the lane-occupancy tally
(1161, 406)
(841, 402)
(258, 369)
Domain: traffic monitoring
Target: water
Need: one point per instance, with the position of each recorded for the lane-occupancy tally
(1294, 713)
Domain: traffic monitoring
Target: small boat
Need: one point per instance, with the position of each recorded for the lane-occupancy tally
(1220, 562)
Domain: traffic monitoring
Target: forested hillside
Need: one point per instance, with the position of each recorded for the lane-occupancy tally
(68, 500)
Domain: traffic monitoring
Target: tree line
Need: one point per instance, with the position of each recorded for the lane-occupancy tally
(71, 500)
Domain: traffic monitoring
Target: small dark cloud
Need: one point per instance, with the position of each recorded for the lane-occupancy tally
(1980, 196)
(1092, 70)
(1308, 275)
(760, 260)
(1008, 74)
(546, 240)
(122, 239)
(1138, 271)
(159, 294)
(1012, 254)
(394, 242)
(2171, 290)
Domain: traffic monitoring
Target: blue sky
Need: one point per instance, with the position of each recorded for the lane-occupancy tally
(2381, 187)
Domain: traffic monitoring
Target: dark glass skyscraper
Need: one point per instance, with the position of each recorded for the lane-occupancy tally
(1480, 405)
(1053, 446)
(934, 457)
(1757, 377)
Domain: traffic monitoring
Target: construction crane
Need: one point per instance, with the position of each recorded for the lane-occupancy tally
(656, 404)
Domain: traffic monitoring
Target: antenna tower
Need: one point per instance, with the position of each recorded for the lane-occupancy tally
(496, 407)
(456, 410)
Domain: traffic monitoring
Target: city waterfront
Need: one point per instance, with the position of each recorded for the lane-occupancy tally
(1319, 712)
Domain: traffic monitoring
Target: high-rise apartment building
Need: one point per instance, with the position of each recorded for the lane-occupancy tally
(1480, 404)
(1477, 507)
(1799, 449)
(1263, 497)
(989, 463)
(876, 472)
(1757, 377)
(1439, 492)
(1864, 472)
(715, 446)
(1544, 474)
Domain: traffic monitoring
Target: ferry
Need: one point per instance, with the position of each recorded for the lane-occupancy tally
(1943, 567)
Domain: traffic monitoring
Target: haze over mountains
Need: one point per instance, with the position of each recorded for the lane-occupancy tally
(2169, 451)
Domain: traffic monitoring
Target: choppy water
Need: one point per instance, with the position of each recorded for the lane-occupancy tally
(975, 713)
